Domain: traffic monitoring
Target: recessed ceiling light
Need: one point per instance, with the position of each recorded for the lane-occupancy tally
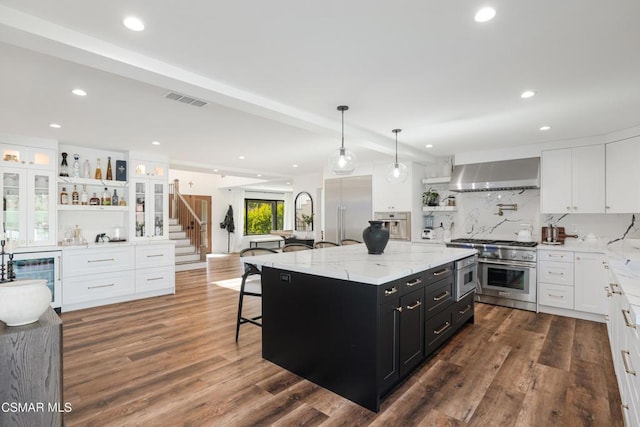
(295, 166)
(288, 183)
(55, 126)
(215, 170)
(155, 142)
(527, 94)
(133, 23)
(545, 127)
(485, 14)
(79, 92)
(429, 145)
(241, 157)
(259, 175)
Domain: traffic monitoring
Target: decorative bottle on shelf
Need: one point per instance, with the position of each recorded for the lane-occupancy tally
(98, 174)
(109, 171)
(64, 166)
(115, 198)
(64, 196)
(106, 197)
(75, 196)
(76, 166)
(84, 197)
(86, 169)
(94, 201)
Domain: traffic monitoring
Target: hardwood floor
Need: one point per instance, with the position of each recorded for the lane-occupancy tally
(173, 361)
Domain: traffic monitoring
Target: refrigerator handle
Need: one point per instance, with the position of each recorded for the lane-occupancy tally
(344, 234)
(339, 224)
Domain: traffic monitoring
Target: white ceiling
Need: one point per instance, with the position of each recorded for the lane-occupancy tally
(275, 71)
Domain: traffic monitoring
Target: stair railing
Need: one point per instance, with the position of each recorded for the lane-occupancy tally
(195, 226)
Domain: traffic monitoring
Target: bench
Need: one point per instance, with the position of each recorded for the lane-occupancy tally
(255, 241)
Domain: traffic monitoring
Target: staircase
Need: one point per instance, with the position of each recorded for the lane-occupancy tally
(187, 257)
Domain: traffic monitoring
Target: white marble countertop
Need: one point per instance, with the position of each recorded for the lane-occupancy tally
(626, 268)
(353, 263)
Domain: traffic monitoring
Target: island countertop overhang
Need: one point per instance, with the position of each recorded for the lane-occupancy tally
(354, 263)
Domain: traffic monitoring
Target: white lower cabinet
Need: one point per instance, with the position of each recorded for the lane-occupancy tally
(102, 275)
(556, 295)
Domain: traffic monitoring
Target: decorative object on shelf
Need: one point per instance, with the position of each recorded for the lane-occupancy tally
(98, 174)
(121, 170)
(64, 166)
(76, 166)
(86, 169)
(94, 201)
(75, 196)
(342, 161)
(115, 200)
(376, 237)
(430, 197)
(109, 170)
(6, 273)
(23, 301)
(396, 172)
(64, 196)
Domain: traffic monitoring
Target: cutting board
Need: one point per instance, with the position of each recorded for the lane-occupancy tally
(562, 235)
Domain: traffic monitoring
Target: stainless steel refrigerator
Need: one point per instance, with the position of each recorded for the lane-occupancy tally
(348, 207)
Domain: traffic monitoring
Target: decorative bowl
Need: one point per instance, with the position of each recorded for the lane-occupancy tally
(23, 301)
(634, 243)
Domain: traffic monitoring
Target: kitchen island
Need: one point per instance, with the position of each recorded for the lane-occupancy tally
(358, 324)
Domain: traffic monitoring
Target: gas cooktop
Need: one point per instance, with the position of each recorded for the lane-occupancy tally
(495, 242)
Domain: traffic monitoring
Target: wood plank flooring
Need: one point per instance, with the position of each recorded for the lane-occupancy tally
(173, 361)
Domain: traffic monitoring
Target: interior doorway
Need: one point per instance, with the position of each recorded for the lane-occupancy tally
(201, 205)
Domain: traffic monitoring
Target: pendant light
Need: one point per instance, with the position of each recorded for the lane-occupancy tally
(342, 161)
(396, 172)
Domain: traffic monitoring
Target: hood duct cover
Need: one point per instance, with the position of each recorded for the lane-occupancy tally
(501, 175)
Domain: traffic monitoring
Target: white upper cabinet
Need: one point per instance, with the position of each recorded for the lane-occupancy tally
(23, 156)
(623, 176)
(573, 180)
(391, 197)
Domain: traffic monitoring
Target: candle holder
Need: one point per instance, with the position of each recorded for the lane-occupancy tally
(7, 274)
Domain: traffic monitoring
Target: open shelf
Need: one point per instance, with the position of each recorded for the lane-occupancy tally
(439, 208)
(92, 182)
(100, 208)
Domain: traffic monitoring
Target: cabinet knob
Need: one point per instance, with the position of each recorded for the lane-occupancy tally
(575, 208)
(568, 208)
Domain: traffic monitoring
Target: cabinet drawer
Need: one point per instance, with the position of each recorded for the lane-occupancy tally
(560, 273)
(557, 256)
(412, 283)
(439, 273)
(438, 295)
(437, 330)
(83, 289)
(556, 295)
(155, 278)
(389, 291)
(463, 309)
(96, 261)
(154, 255)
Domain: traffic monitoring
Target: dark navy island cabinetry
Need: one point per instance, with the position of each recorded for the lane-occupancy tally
(358, 339)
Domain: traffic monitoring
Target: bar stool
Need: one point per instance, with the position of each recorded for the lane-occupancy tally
(251, 286)
(344, 242)
(324, 244)
(291, 247)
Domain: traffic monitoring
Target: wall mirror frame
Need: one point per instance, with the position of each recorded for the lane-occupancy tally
(304, 211)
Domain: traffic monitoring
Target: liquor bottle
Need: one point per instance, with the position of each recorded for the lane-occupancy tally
(114, 198)
(109, 171)
(86, 169)
(106, 197)
(75, 196)
(98, 174)
(84, 197)
(76, 166)
(64, 196)
(94, 201)
(64, 166)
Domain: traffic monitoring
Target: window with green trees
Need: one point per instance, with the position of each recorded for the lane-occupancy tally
(261, 216)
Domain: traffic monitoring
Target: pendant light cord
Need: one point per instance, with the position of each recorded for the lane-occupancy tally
(396, 132)
(342, 146)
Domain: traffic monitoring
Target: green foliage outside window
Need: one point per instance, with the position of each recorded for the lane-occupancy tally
(262, 216)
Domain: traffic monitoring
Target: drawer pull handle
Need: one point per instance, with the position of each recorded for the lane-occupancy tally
(439, 297)
(101, 260)
(101, 286)
(441, 272)
(556, 296)
(615, 285)
(607, 289)
(154, 256)
(625, 362)
(557, 274)
(444, 328)
(467, 308)
(416, 305)
(391, 291)
(627, 319)
(414, 282)
(154, 278)
(555, 256)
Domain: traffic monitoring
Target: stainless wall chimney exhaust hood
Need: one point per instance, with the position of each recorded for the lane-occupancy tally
(500, 175)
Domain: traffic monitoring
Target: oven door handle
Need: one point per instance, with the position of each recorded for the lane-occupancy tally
(507, 263)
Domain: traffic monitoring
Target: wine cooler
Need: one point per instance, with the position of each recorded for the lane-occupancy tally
(41, 265)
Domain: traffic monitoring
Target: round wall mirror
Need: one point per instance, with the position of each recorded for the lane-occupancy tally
(304, 212)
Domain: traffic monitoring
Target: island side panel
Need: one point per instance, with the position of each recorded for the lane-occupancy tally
(324, 330)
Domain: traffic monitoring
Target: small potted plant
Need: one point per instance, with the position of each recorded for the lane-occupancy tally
(430, 197)
(308, 221)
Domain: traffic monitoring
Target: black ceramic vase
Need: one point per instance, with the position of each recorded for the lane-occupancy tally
(375, 236)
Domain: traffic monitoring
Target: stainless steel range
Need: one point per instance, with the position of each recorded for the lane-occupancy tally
(506, 271)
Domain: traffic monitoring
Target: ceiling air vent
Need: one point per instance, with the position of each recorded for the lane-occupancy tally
(185, 99)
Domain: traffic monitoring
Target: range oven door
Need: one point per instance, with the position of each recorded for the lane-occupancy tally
(506, 279)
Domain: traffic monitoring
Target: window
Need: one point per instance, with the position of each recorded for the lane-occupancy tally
(262, 216)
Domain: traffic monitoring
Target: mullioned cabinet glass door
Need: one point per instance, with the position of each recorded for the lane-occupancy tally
(150, 215)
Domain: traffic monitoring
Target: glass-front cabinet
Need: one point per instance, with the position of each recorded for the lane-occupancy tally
(29, 200)
(151, 208)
